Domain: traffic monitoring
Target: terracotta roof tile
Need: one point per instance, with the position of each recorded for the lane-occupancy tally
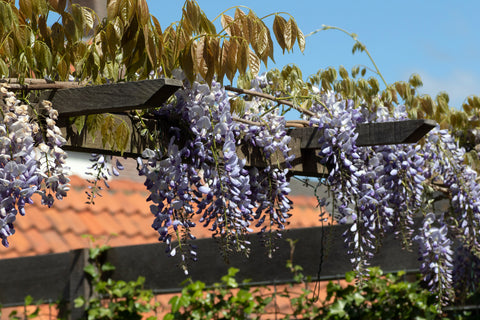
(110, 224)
(60, 221)
(93, 225)
(40, 245)
(21, 243)
(129, 227)
(75, 241)
(56, 241)
(122, 210)
(35, 218)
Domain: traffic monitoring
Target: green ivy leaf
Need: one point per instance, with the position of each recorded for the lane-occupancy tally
(79, 302)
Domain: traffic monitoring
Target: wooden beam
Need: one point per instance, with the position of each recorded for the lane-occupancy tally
(117, 97)
(395, 132)
(58, 276)
(371, 134)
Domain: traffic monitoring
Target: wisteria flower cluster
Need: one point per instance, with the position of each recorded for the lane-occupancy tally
(381, 189)
(101, 170)
(200, 172)
(31, 159)
(436, 255)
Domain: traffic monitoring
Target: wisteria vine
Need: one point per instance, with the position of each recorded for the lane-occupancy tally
(197, 176)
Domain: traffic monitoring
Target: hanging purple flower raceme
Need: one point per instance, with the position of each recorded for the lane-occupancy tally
(101, 170)
(447, 169)
(52, 158)
(377, 189)
(436, 256)
(200, 173)
(270, 185)
(31, 160)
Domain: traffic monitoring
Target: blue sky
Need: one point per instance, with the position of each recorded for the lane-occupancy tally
(436, 39)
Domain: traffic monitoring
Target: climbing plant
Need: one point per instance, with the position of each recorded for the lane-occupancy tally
(193, 168)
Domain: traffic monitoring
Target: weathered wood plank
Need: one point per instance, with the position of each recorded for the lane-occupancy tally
(54, 276)
(395, 132)
(48, 277)
(111, 98)
(370, 134)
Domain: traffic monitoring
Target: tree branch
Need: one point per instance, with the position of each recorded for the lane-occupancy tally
(270, 97)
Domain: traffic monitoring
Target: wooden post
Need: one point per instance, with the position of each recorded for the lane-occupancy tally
(78, 284)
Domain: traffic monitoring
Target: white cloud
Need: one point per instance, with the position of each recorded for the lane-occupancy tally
(459, 84)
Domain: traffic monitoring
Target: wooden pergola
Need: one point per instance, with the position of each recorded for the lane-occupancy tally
(61, 275)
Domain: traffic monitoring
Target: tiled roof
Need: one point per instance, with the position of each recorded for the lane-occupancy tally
(122, 211)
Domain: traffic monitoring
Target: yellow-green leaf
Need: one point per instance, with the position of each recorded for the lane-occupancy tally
(113, 8)
(158, 28)
(231, 66)
(193, 14)
(290, 34)
(88, 18)
(149, 45)
(143, 13)
(106, 130)
(279, 29)
(69, 27)
(187, 63)
(242, 57)
(198, 57)
(300, 40)
(58, 37)
(122, 135)
(253, 62)
(227, 23)
(3, 69)
(79, 123)
(62, 69)
(343, 72)
(26, 8)
(44, 29)
(242, 24)
(207, 25)
(30, 57)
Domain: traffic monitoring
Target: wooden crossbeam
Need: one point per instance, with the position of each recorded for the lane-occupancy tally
(111, 98)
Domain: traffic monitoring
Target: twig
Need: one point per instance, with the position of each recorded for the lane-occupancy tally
(270, 97)
(289, 123)
(14, 84)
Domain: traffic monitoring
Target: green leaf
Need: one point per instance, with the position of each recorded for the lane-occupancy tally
(337, 308)
(175, 303)
(28, 300)
(79, 302)
(350, 276)
(107, 267)
(3, 69)
(91, 270)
